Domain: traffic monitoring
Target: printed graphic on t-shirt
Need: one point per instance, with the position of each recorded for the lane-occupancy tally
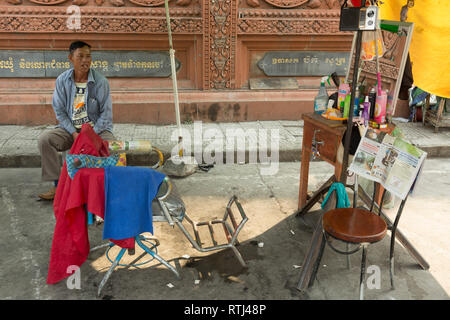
(79, 115)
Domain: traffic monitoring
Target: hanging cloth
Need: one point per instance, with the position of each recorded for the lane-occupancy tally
(342, 200)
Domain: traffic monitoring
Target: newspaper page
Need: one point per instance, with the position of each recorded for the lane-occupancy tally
(388, 160)
(364, 160)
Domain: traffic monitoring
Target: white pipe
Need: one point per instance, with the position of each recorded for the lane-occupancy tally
(174, 72)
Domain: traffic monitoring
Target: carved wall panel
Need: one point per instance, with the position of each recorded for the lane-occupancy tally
(219, 23)
(219, 43)
(288, 22)
(116, 3)
(288, 4)
(95, 19)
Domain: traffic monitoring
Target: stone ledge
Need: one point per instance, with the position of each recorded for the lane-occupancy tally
(133, 159)
(144, 159)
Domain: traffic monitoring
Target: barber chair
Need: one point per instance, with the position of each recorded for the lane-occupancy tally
(168, 207)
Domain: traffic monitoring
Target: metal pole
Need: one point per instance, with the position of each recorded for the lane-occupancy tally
(174, 75)
(377, 64)
(352, 106)
(363, 271)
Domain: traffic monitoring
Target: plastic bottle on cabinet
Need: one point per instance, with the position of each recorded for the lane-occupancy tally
(356, 108)
(346, 106)
(372, 100)
(380, 108)
(321, 100)
(366, 111)
(344, 89)
(389, 104)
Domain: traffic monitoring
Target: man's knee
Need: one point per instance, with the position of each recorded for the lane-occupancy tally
(56, 139)
(107, 135)
(43, 140)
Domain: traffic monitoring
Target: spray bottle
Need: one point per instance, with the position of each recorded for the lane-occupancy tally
(366, 111)
(321, 100)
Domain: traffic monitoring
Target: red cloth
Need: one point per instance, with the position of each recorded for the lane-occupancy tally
(70, 244)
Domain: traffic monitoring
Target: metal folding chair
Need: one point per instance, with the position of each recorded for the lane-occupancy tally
(169, 208)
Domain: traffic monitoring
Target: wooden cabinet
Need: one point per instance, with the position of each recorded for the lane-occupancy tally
(321, 137)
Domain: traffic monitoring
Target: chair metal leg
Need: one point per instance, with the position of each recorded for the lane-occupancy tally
(363, 271)
(399, 235)
(391, 271)
(318, 260)
(347, 245)
(111, 269)
(393, 233)
(100, 247)
(239, 256)
(116, 261)
(391, 260)
(157, 257)
(355, 192)
(355, 205)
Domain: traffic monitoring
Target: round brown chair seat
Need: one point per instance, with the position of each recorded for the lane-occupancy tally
(354, 225)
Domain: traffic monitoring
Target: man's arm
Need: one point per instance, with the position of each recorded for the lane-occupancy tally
(60, 109)
(104, 122)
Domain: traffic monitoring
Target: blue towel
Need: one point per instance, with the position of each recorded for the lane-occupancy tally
(129, 192)
(342, 200)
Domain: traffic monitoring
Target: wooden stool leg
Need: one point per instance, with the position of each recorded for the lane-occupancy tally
(304, 172)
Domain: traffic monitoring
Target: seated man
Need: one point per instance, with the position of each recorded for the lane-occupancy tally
(81, 95)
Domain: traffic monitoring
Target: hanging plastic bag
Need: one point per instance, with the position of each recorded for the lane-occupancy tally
(368, 44)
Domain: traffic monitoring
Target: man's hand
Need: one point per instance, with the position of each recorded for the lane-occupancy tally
(74, 135)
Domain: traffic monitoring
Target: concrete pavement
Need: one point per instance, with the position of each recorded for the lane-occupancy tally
(273, 243)
(269, 200)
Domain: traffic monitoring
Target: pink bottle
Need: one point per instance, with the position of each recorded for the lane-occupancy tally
(344, 89)
(380, 108)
